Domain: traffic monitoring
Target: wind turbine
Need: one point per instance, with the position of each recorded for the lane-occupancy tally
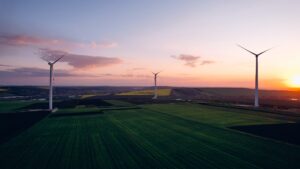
(256, 99)
(51, 64)
(155, 85)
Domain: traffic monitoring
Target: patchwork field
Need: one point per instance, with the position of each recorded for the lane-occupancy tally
(153, 136)
(160, 92)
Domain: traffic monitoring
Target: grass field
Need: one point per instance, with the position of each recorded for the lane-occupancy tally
(155, 136)
(217, 116)
(89, 110)
(78, 110)
(160, 92)
(119, 103)
(12, 106)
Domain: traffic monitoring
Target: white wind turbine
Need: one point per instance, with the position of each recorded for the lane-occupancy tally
(51, 64)
(256, 99)
(155, 85)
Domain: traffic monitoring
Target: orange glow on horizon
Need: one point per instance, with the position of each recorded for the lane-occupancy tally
(294, 82)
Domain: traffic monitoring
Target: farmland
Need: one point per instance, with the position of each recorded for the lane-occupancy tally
(160, 92)
(216, 116)
(3, 90)
(181, 135)
(8, 106)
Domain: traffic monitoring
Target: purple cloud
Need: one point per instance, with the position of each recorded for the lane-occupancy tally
(104, 44)
(32, 72)
(206, 62)
(137, 68)
(2, 65)
(78, 61)
(25, 40)
(191, 60)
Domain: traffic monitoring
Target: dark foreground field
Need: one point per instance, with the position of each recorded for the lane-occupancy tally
(153, 136)
(288, 132)
(11, 124)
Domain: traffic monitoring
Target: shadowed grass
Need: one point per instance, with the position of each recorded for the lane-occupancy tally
(119, 103)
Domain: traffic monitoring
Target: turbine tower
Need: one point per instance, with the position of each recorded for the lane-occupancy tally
(155, 85)
(51, 64)
(256, 99)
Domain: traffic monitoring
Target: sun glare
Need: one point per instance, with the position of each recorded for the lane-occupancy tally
(294, 82)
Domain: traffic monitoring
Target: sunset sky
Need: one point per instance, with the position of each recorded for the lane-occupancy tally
(120, 42)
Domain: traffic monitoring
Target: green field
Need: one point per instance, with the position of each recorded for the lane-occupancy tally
(8, 106)
(119, 103)
(223, 117)
(155, 136)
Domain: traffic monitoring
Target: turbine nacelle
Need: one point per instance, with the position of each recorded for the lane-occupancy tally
(52, 63)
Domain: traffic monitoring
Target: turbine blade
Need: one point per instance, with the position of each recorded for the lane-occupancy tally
(45, 59)
(58, 59)
(264, 51)
(158, 72)
(246, 49)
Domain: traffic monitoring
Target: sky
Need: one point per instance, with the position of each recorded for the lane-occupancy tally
(120, 42)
